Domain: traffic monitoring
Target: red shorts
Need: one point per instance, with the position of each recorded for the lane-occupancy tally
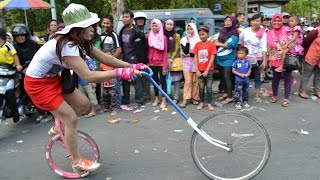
(46, 93)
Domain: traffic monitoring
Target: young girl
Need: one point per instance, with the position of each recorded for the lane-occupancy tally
(173, 52)
(295, 40)
(190, 87)
(158, 58)
(204, 53)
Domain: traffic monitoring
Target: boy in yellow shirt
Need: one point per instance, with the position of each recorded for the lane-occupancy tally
(8, 55)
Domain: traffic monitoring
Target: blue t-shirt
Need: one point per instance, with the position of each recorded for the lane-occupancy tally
(243, 68)
(92, 66)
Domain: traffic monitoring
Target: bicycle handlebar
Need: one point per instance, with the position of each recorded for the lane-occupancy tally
(145, 72)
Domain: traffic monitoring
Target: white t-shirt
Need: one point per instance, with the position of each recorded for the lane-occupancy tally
(46, 63)
(255, 45)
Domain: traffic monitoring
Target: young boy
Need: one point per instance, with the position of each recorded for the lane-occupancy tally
(242, 69)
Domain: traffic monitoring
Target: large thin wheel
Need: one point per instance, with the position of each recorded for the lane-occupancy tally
(249, 142)
(60, 162)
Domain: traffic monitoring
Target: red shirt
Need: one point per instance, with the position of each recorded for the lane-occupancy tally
(204, 51)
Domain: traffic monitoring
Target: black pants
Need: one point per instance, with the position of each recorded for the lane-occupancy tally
(227, 79)
(159, 78)
(137, 83)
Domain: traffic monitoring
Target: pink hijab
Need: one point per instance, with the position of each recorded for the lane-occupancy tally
(156, 40)
(277, 34)
(194, 37)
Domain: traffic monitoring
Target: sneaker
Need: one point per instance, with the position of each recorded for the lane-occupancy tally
(52, 132)
(238, 106)
(246, 105)
(85, 165)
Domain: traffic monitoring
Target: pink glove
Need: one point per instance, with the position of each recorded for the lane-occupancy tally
(139, 66)
(125, 73)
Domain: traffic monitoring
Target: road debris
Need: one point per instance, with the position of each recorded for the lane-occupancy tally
(114, 121)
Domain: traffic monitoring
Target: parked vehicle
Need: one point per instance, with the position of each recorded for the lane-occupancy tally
(181, 17)
(8, 104)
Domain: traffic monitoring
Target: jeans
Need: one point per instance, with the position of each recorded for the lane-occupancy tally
(257, 75)
(241, 90)
(227, 79)
(305, 78)
(287, 77)
(176, 88)
(118, 92)
(205, 84)
(157, 71)
(137, 83)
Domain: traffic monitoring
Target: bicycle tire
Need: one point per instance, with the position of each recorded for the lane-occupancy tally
(57, 161)
(224, 122)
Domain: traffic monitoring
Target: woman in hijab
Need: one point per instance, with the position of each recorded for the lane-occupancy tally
(191, 87)
(277, 39)
(227, 46)
(158, 58)
(173, 52)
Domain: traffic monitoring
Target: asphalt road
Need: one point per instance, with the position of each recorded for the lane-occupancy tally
(151, 149)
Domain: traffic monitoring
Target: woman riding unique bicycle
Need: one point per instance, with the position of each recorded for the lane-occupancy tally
(44, 85)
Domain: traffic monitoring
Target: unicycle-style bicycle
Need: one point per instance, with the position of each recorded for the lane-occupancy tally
(226, 145)
(59, 158)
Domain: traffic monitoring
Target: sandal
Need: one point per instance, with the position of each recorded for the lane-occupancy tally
(195, 102)
(39, 118)
(200, 106)
(285, 103)
(303, 95)
(317, 95)
(176, 101)
(258, 100)
(183, 105)
(89, 115)
(273, 99)
(222, 97)
(227, 101)
(210, 107)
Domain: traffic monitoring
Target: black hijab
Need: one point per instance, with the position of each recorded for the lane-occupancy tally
(170, 36)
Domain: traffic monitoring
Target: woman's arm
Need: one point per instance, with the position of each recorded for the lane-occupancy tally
(176, 49)
(186, 48)
(107, 59)
(78, 65)
(118, 52)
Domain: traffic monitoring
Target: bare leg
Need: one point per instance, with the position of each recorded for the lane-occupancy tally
(68, 114)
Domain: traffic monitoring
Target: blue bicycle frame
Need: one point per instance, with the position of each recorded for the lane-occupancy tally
(193, 124)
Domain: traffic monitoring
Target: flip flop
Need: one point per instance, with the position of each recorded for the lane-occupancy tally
(303, 95)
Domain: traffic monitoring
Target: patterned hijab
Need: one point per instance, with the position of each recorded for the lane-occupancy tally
(226, 33)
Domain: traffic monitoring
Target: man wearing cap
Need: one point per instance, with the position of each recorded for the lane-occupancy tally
(132, 43)
(140, 19)
(66, 51)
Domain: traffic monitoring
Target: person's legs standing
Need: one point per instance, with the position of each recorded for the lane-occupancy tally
(316, 81)
(227, 70)
(137, 83)
(245, 94)
(202, 85)
(118, 92)
(126, 92)
(195, 89)
(176, 88)
(187, 87)
(164, 87)
(257, 82)
(91, 91)
(209, 87)
(308, 70)
(275, 82)
(146, 87)
(287, 77)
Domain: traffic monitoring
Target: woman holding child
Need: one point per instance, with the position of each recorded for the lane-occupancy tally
(277, 39)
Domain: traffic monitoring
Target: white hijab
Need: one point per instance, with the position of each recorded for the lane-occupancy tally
(194, 37)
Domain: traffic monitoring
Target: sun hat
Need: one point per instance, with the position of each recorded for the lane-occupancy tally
(77, 15)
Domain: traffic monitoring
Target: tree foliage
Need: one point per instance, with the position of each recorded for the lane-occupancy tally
(303, 8)
(37, 19)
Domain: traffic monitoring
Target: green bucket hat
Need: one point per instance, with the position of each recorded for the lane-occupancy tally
(77, 15)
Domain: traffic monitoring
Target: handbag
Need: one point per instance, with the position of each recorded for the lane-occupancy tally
(69, 81)
(176, 65)
(292, 62)
(168, 82)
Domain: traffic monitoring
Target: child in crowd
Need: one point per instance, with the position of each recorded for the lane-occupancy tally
(89, 89)
(242, 69)
(204, 52)
(295, 35)
(158, 58)
(109, 92)
(175, 64)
